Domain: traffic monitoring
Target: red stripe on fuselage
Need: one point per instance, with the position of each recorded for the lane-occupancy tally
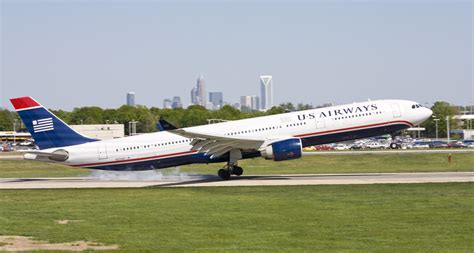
(24, 103)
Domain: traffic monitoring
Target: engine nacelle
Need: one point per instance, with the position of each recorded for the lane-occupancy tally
(283, 150)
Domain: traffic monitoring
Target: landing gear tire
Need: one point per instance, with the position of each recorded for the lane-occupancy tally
(393, 146)
(224, 174)
(238, 171)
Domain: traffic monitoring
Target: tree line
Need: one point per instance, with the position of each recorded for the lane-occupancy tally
(197, 115)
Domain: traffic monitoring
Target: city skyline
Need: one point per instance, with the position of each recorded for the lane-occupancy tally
(266, 92)
(317, 52)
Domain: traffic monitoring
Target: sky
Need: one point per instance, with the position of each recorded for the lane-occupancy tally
(69, 54)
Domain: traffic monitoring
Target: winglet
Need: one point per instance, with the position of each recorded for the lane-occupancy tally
(164, 125)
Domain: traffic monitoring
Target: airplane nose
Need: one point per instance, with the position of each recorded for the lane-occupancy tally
(429, 112)
(426, 114)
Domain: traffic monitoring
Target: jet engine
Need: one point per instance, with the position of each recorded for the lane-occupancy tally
(283, 150)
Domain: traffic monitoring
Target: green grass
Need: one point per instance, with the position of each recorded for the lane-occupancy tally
(21, 169)
(362, 218)
(350, 164)
(307, 164)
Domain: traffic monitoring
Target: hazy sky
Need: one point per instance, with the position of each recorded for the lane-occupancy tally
(78, 53)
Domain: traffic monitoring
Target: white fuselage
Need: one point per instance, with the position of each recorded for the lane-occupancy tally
(314, 126)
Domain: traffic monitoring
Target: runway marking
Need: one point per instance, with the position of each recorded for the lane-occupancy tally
(251, 180)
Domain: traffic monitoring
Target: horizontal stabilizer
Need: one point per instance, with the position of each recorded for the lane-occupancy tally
(59, 155)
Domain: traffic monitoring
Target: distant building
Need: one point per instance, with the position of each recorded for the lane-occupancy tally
(255, 103)
(176, 103)
(324, 105)
(201, 91)
(167, 103)
(101, 131)
(246, 103)
(266, 92)
(131, 98)
(198, 93)
(194, 99)
(216, 98)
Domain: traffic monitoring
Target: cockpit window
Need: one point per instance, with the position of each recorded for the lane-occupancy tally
(416, 106)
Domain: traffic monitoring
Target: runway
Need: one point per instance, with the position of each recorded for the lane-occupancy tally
(391, 152)
(251, 180)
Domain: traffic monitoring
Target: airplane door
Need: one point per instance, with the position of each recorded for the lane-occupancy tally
(396, 110)
(320, 123)
(102, 151)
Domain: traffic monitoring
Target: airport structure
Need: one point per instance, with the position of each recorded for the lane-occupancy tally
(101, 131)
(266, 92)
(131, 98)
(97, 131)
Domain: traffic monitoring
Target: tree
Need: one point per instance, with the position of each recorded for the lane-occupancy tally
(287, 107)
(195, 115)
(227, 112)
(7, 119)
(302, 107)
(441, 110)
(174, 116)
(63, 115)
(275, 110)
(87, 115)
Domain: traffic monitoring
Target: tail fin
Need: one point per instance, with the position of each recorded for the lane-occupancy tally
(48, 130)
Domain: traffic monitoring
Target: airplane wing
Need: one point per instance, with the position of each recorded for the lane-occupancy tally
(217, 145)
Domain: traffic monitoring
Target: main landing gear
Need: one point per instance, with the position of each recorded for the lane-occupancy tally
(227, 171)
(231, 167)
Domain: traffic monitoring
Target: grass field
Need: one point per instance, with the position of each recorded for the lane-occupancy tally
(307, 164)
(380, 218)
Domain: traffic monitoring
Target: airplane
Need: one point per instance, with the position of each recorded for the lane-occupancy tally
(277, 137)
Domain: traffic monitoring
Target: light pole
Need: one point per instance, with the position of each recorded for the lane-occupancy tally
(14, 132)
(436, 124)
(447, 127)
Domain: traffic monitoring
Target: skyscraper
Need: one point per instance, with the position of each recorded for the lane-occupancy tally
(176, 103)
(194, 100)
(216, 98)
(198, 93)
(201, 91)
(255, 103)
(131, 98)
(266, 92)
(167, 103)
(246, 103)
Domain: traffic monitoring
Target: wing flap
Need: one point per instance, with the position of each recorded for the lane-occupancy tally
(217, 145)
